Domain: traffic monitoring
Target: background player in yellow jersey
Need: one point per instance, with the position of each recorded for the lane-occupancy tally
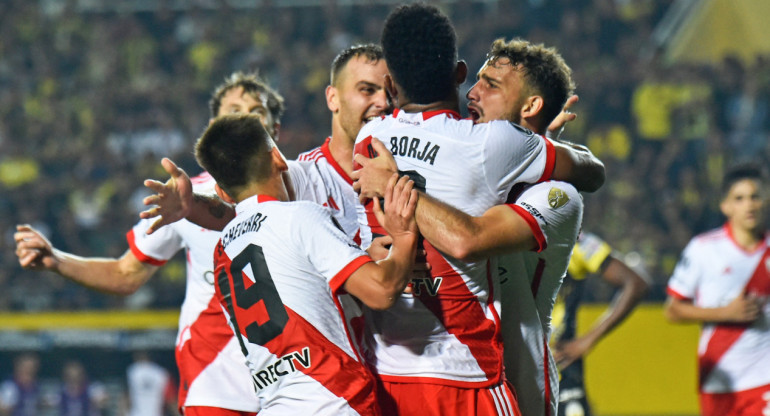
(591, 256)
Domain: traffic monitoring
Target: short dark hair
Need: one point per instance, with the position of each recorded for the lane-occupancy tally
(739, 172)
(234, 149)
(545, 72)
(420, 48)
(253, 85)
(371, 51)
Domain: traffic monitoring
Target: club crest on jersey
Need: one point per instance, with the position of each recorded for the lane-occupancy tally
(557, 198)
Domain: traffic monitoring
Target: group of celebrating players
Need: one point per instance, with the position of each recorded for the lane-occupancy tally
(409, 265)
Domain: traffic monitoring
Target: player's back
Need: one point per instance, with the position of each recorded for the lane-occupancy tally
(286, 262)
(447, 330)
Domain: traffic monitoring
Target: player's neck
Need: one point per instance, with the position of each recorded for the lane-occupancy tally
(746, 238)
(274, 187)
(341, 148)
(451, 105)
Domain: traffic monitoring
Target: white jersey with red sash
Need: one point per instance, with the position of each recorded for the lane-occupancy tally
(713, 271)
(279, 266)
(333, 188)
(211, 367)
(447, 331)
(529, 284)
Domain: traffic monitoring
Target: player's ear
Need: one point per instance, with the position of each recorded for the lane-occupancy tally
(223, 195)
(276, 130)
(391, 91)
(461, 72)
(332, 100)
(278, 160)
(532, 107)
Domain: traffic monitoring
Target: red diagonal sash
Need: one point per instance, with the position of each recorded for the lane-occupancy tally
(725, 335)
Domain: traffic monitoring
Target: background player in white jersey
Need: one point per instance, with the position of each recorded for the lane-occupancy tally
(520, 82)
(213, 379)
(450, 347)
(723, 282)
(279, 266)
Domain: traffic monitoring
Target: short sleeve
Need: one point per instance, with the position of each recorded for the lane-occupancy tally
(683, 283)
(513, 154)
(589, 255)
(157, 248)
(328, 248)
(554, 212)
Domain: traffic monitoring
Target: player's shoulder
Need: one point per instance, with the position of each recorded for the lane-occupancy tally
(503, 127)
(710, 237)
(310, 155)
(552, 194)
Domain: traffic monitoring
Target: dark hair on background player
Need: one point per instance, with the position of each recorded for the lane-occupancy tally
(545, 72)
(235, 150)
(739, 172)
(372, 52)
(420, 49)
(254, 86)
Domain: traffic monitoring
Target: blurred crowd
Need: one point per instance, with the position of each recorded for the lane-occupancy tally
(94, 93)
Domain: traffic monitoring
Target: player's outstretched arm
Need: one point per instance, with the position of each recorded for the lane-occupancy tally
(632, 288)
(175, 200)
(743, 309)
(121, 276)
(379, 284)
(577, 165)
(557, 125)
(574, 163)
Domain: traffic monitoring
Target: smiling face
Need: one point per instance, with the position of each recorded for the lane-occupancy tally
(499, 92)
(357, 96)
(237, 101)
(744, 205)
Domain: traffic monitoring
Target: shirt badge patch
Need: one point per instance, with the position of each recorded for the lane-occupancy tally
(557, 198)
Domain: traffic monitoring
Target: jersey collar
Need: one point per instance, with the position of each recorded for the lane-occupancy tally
(328, 155)
(251, 201)
(428, 114)
(762, 245)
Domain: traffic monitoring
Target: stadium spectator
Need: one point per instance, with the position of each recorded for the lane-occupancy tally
(20, 395)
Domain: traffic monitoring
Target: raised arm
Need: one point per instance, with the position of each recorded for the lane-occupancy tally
(379, 284)
(577, 165)
(632, 288)
(121, 276)
(175, 200)
(574, 163)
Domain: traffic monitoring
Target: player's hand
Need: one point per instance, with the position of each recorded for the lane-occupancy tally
(743, 309)
(371, 179)
(172, 199)
(561, 120)
(400, 205)
(34, 251)
(565, 353)
(380, 247)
